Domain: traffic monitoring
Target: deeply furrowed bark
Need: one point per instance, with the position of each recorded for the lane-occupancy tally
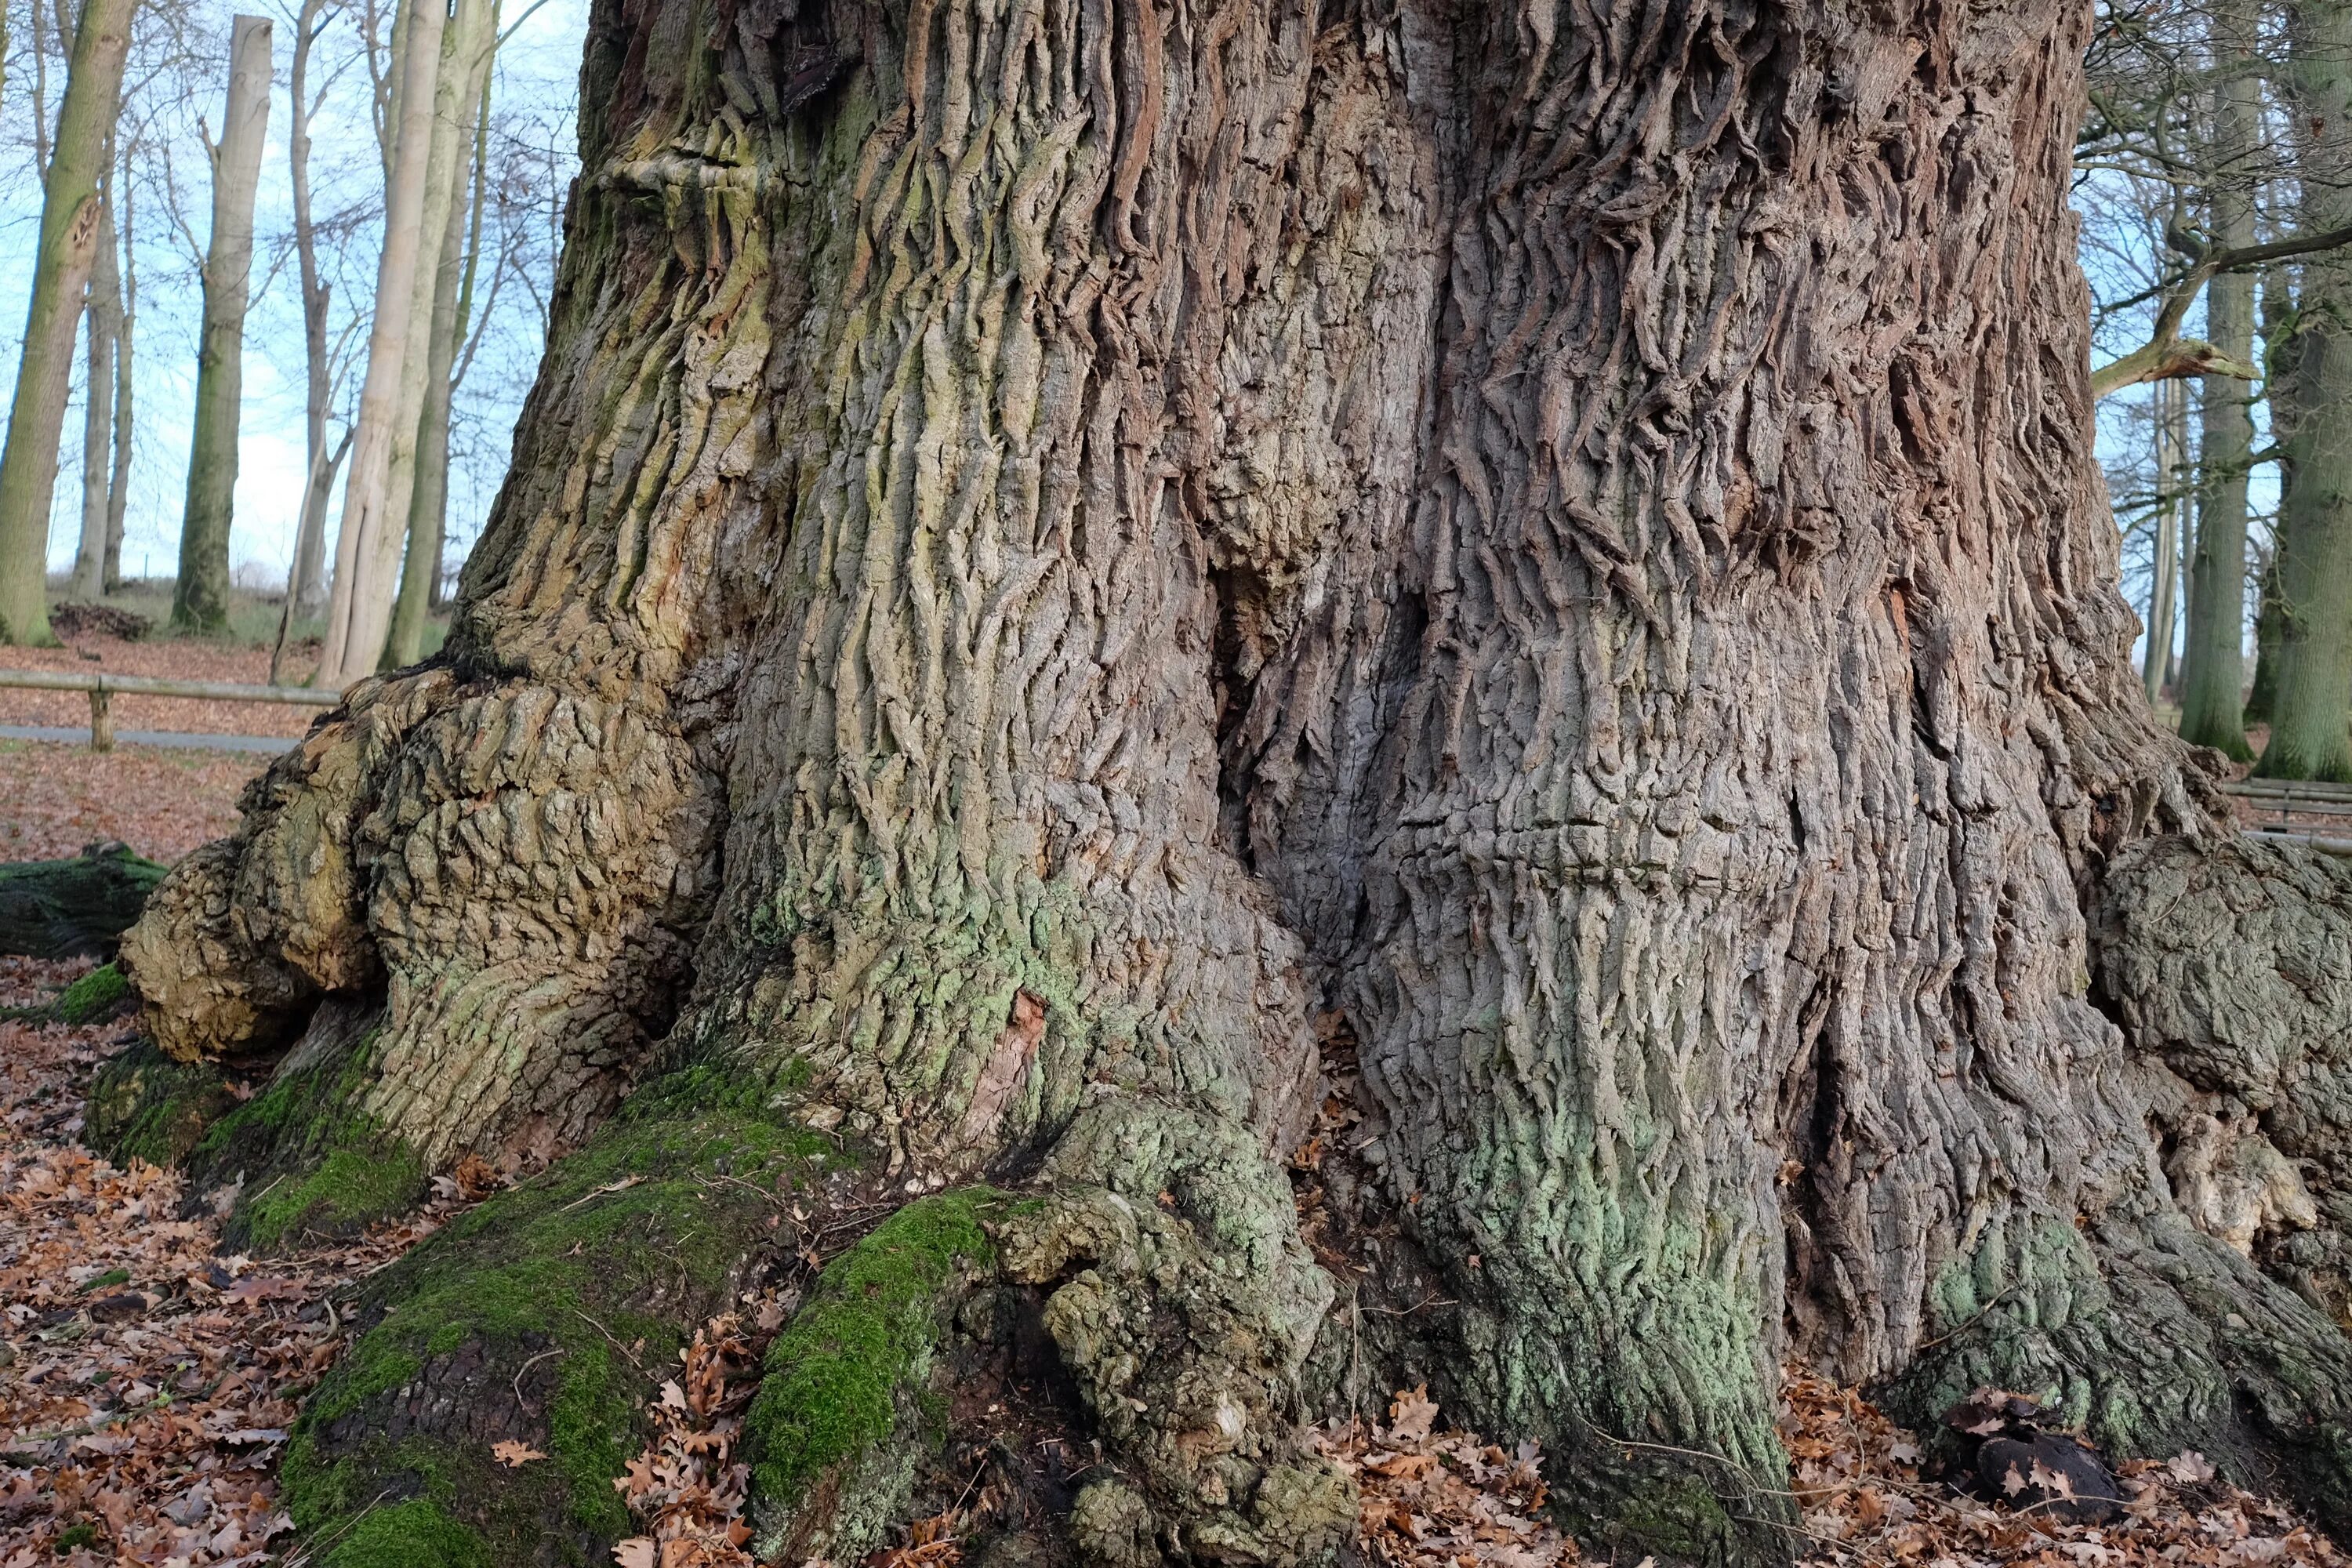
(1054, 545)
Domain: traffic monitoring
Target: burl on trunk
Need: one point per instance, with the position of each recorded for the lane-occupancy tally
(1067, 557)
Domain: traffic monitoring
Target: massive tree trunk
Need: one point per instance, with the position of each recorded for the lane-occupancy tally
(1070, 571)
(62, 257)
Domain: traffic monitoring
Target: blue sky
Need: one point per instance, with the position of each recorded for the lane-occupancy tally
(537, 78)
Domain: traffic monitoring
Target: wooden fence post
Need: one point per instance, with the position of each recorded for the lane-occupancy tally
(102, 721)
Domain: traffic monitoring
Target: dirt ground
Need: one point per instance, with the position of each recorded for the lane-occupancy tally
(56, 797)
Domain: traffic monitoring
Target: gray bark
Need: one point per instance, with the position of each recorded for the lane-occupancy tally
(1060, 563)
(2170, 415)
(367, 542)
(65, 247)
(2311, 717)
(309, 572)
(200, 599)
(118, 494)
(103, 331)
(476, 39)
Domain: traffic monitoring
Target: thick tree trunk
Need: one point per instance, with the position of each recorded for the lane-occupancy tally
(1061, 562)
(367, 543)
(66, 244)
(200, 601)
(2269, 614)
(104, 313)
(2311, 716)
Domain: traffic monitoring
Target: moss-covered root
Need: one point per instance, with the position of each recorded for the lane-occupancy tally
(145, 1106)
(2156, 1338)
(1184, 1306)
(847, 1406)
(305, 1162)
(547, 1315)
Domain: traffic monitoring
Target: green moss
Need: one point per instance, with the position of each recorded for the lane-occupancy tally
(351, 1189)
(92, 997)
(312, 1163)
(74, 1535)
(144, 1105)
(110, 1278)
(596, 1273)
(412, 1534)
(836, 1377)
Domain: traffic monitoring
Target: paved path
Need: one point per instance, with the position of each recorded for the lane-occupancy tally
(269, 745)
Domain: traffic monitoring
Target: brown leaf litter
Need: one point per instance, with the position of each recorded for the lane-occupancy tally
(147, 1383)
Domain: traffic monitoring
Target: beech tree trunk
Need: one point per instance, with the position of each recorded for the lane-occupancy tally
(1085, 591)
(367, 540)
(104, 313)
(309, 570)
(428, 488)
(200, 601)
(2311, 715)
(2170, 413)
(117, 490)
(66, 244)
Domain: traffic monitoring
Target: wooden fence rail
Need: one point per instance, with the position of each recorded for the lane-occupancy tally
(2287, 798)
(102, 687)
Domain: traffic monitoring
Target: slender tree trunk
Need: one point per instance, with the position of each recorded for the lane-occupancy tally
(2268, 619)
(471, 30)
(104, 329)
(476, 33)
(2311, 717)
(462, 333)
(2156, 659)
(367, 543)
(428, 498)
(309, 575)
(71, 212)
(1066, 560)
(200, 602)
(117, 490)
(2213, 661)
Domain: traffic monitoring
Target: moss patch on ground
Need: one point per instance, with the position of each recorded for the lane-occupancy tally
(546, 1315)
(144, 1105)
(93, 996)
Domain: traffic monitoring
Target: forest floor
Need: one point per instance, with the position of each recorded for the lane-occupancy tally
(147, 1381)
